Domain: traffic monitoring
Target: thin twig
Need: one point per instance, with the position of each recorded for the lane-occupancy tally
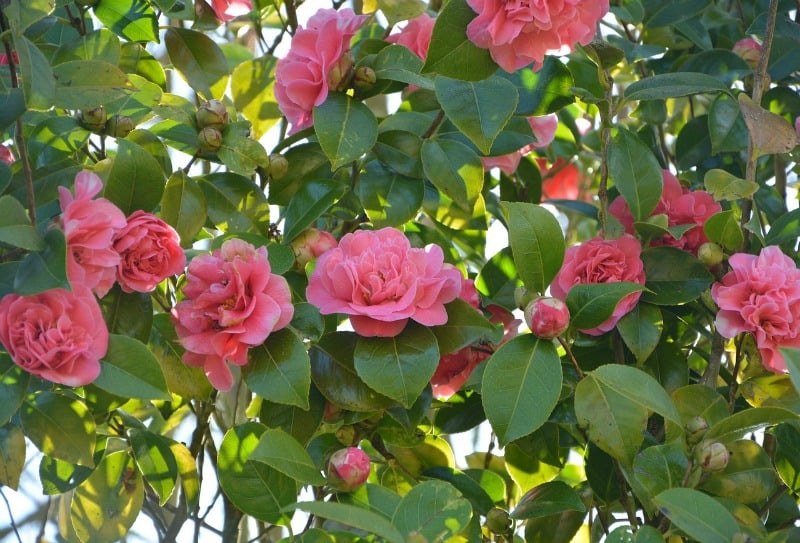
(11, 515)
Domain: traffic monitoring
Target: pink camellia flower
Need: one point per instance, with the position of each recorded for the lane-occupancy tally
(233, 302)
(797, 127)
(89, 227)
(761, 295)
(547, 317)
(6, 155)
(381, 282)
(348, 469)
(225, 10)
(149, 250)
(544, 130)
(310, 245)
(602, 261)
(58, 335)
(318, 61)
(520, 32)
(416, 35)
(681, 206)
(560, 180)
(4, 58)
(749, 50)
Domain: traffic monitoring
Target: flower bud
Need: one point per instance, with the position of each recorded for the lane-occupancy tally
(365, 78)
(498, 520)
(278, 165)
(93, 119)
(348, 469)
(210, 139)
(695, 430)
(119, 126)
(310, 245)
(711, 455)
(547, 317)
(347, 435)
(341, 73)
(749, 50)
(710, 254)
(213, 113)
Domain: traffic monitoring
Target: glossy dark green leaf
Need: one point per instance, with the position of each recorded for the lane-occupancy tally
(189, 382)
(252, 87)
(156, 461)
(134, 20)
(673, 276)
(726, 126)
(537, 243)
(434, 509)
(310, 201)
(128, 313)
(398, 367)
(749, 476)
(451, 53)
(301, 424)
(498, 279)
(198, 60)
(24, 13)
(234, 203)
(641, 534)
(306, 161)
(741, 423)
(15, 226)
(345, 127)
(351, 515)
(39, 83)
(281, 451)
(699, 515)
(469, 487)
(56, 138)
(521, 386)
(398, 63)
(60, 426)
(454, 169)
(13, 387)
(592, 304)
(138, 105)
(641, 330)
(12, 455)
(548, 499)
(12, 105)
(787, 454)
(129, 369)
(636, 173)
(785, 229)
(135, 180)
(724, 229)
(279, 370)
(84, 84)
(242, 155)
(400, 151)
(389, 199)
(101, 44)
(45, 269)
(134, 59)
(544, 91)
(659, 468)
(183, 206)
(674, 85)
(187, 470)
(465, 326)
(556, 529)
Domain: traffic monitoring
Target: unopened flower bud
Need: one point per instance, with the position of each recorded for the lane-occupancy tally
(365, 78)
(711, 455)
(213, 113)
(498, 520)
(341, 73)
(749, 50)
(348, 469)
(278, 165)
(210, 139)
(93, 119)
(695, 430)
(310, 245)
(119, 126)
(710, 254)
(547, 317)
(347, 435)
(523, 296)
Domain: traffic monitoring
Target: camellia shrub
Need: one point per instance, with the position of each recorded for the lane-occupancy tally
(397, 271)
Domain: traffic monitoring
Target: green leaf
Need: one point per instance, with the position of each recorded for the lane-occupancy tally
(724, 229)
(641, 330)
(85, 84)
(135, 180)
(253, 487)
(134, 59)
(699, 515)
(345, 127)
(15, 225)
(134, 20)
(241, 154)
(14, 383)
(46, 269)
(105, 506)
(129, 369)
(726, 126)
(465, 326)
(592, 304)
(783, 230)
(253, 91)
(39, 83)
(398, 63)
(388, 198)
(310, 201)
(351, 515)
(498, 279)
(628, 534)
(12, 455)
(333, 371)
(434, 509)
(183, 206)
(521, 386)
(659, 468)
(725, 186)
(693, 146)
(60, 426)
(21, 17)
(454, 169)
(279, 370)
(480, 109)
(536, 242)
(673, 276)
(635, 172)
(281, 451)
(198, 60)
(56, 138)
(12, 105)
(400, 150)
(234, 203)
(396, 11)
(156, 461)
(398, 367)
(299, 423)
(101, 44)
(189, 382)
(469, 487)
(674, 85)
(749, 476)
(544, 91)
(740, 424)
(128, 313)
(614, 402)
(187, 469)
(548, 499)
(451, 53)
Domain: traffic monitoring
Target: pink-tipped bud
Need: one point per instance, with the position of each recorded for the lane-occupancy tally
(711, 455)
(348, 469)
(547, 317)
(749, 50)
(213, 113)
(310, 245)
